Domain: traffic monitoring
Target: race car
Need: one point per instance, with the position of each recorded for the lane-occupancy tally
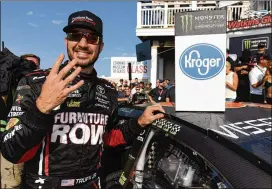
(197, 150)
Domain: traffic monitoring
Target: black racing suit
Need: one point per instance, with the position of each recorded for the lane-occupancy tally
(65, 147)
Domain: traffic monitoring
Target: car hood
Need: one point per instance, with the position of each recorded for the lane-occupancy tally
(245, 125)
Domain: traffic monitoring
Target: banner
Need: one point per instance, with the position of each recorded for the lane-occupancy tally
(238, 44)
(250, 23)
(252, 43)
(200, 48)
(119, 68)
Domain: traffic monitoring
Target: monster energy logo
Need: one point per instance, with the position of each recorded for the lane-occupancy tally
(187, 23)
(247, 44)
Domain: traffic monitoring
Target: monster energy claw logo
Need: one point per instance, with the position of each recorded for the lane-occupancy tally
(187, 23)
(247, 44)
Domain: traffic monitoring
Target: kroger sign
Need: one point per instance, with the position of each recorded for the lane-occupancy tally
(202, 61)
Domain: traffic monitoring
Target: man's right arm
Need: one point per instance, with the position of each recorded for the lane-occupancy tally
(27, 126)
(254, 82)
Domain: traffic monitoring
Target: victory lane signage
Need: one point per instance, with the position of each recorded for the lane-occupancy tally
(200, 47)
(200, 22)
(252, 43)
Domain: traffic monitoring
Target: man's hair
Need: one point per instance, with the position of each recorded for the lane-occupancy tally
(31, 55)
(262, 57)
(227, 51)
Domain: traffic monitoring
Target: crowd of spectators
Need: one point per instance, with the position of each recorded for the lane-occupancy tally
(140, 92)
(248, 78)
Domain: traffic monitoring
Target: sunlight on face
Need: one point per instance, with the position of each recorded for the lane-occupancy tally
(85, 53)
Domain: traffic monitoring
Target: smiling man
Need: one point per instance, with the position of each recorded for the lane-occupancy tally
(67, 113)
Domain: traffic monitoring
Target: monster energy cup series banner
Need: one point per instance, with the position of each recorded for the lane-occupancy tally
(200, 54)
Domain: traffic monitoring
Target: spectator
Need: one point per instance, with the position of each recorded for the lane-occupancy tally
(141, 85)
(268, 85)
(256, 78)
(230, 60)
(170, 95)
(33, 58)
(262, 51)
(231, 83)
(242, 69)
(114, 84)
(158, 94)
(133, 91)
(121, 83)
(147, 88)
(157, 83)
(126, 82)
(138, 97)
(167, 83)
(121, 93)
(136, 81)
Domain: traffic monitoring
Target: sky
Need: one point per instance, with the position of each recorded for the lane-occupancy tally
(36, 27)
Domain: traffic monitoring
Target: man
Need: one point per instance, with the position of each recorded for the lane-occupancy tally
(138, 97)
(158, 94)
(136, 81)
(67, 114)
(33, 58)
(167, 83)
(262, 51)
(256, 79)
(10, 173)
(170, 95)
(147, 88)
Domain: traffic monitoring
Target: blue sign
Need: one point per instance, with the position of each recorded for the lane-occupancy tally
(202, 61)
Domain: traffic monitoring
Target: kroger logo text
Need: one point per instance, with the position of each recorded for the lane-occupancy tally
(202, 61)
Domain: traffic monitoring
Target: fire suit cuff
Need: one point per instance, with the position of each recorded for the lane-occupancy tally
(39, 120)
(135, 127)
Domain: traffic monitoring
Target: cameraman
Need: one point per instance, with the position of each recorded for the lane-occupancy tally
(33, 58)
(13, 68)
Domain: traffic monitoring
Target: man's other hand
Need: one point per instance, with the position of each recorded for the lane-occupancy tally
(150, 114)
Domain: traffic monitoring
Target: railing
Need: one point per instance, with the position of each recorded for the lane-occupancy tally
(237, 12)
(262, 5)
(162, 15)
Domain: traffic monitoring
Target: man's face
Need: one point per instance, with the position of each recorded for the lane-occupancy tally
(138, 90)
(261, 50)
(157, 83)
(161, 84)
(35, 60)
(141, 85)
(265, 63)
(83, 48)
(120, 88)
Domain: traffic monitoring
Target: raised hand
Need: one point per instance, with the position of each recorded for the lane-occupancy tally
(55, 89)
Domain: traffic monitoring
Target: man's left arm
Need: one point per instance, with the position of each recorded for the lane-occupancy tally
(122, 132)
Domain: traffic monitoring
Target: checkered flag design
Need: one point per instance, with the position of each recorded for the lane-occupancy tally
(151, 160)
